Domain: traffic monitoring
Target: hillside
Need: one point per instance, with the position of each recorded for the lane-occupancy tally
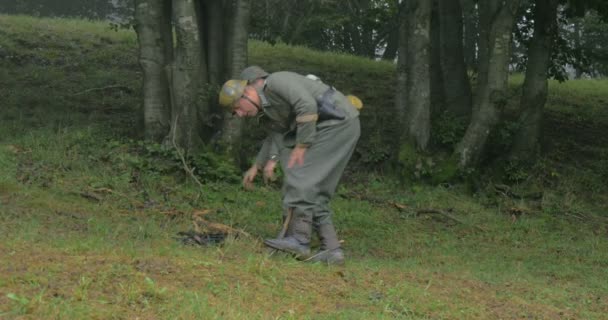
(89, 214)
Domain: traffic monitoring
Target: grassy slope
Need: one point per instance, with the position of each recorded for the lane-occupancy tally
(63, 255)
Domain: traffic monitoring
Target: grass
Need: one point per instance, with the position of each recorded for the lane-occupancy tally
(88, 220)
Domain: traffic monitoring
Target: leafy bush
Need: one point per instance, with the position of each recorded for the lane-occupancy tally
(161, 159)
(448, 130)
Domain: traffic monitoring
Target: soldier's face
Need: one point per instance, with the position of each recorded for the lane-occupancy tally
(245, 106)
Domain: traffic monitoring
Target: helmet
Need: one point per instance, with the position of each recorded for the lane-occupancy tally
(231, 91)
(356, 102)
(253, 72)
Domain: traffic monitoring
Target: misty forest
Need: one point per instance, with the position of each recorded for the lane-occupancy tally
(476, 189)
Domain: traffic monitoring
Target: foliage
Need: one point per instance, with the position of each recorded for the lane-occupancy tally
(448, 130)
(166, 160)
(500, 140)
(91, 9)
(580, 44)
(358, 27)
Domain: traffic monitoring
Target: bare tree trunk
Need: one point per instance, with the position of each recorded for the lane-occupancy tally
(185, 74)
(213, 22)
(492, 96)
(155, 45)
(486, 11)
(457, 89)
(419, 99)
(470, 33)
(237, 49)
(214, 32)
(578, 73)
(527, 140)
(437, 84)
(401, 105)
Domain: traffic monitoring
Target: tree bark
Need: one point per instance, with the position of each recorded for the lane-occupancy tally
(437, 84)
(401, 103)
(527, 140)
(457, 89)
(214, 32)
(486, 12)
(419, 102)
(185, 74)
(152, 24)
(492, 96)
(237, 49)
(469, 12)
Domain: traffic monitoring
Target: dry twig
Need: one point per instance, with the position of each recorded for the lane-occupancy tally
(187, 168)
(115, 86)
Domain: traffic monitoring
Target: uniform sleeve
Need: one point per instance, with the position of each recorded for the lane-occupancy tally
(269, 148)
(304, 106)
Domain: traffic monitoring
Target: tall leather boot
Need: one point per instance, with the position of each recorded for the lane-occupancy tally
(298, 242)
(330, 251)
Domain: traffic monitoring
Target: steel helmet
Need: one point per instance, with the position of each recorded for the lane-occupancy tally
(231, 91)
(252, 73)
(356, 102)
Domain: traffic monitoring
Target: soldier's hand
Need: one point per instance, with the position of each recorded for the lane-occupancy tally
(269, 171)
(249, 177)
(297, 156)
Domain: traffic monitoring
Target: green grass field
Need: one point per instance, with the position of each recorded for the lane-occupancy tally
(89, 215)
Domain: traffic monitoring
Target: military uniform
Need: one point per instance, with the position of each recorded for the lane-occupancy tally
(290, 104)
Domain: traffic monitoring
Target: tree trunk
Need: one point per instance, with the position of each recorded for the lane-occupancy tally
(152, 24)
(470, 33)
(186, 78)
(492, 96)
(214, 23)
(419, 103)
(237, 50)
(527, 140)
(457, 89)
(437, 84)
(486, 11)
(401, 105)
(578, 73)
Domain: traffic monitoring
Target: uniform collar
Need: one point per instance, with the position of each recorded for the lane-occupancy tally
(263, 100)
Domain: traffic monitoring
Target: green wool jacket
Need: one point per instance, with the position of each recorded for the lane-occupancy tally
(289, 102)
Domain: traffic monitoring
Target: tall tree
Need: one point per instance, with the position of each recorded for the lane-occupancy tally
(186, 76)
(470, 21)
(527, 140)
(237, 59)
(210, 45)
(437, 84)
(491, 95)
(153, 26)
(457, 89)
(418, 106)
(401, 103)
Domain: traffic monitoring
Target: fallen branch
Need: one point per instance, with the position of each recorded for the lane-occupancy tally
(447, 215)
(404, 208)
(506, 191)
(187, 168)
(115, 86)
(200, 224)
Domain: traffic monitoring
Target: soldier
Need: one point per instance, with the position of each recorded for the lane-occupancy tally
(315, 130)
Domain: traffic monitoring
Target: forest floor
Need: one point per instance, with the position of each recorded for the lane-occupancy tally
(90, 216)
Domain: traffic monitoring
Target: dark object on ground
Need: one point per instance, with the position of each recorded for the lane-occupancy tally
(192, 237)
